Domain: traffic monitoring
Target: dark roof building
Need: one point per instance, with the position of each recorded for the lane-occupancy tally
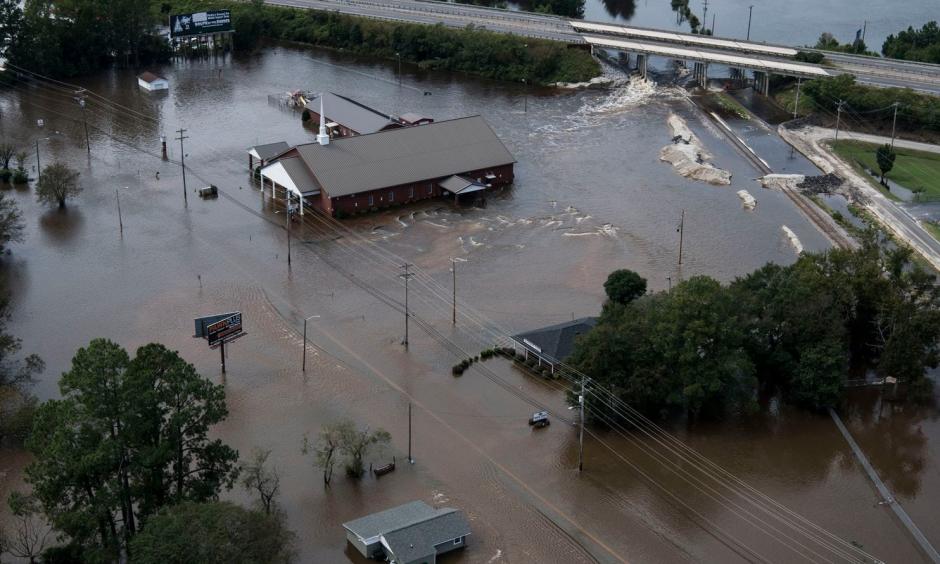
(413, 533)
(391, 167)
(345, 116)
(264, 153)
(555, 343)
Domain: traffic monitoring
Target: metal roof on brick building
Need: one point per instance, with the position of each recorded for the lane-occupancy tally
(349, 113)
(394, 157)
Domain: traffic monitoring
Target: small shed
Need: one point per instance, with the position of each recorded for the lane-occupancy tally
(460, 185)
(413, 533)
(152, 82)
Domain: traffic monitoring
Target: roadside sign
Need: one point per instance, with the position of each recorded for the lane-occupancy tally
(225, 329)
(203, 322)
(199, 23)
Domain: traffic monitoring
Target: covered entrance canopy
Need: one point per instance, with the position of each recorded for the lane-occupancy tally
(460, 185)
(292, 175)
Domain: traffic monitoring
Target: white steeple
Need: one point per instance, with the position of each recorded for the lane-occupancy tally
(323, 137)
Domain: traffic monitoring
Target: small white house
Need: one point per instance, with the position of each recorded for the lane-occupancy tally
(151, 82)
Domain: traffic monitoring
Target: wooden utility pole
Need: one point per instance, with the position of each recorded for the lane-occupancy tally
(681, 230)
(894, 123)
(183, 162)
(406, 276)
(796, 104)
(750, 12)
(410, 459)
(81, 102)
(839, 117)
(581, 432)
(117, 197)
(38, 165)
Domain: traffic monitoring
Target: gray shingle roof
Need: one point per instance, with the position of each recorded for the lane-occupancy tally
(390, 519)
(557, 341)
(418, 540)
(270, 150)
(402, 156)
(345, 111)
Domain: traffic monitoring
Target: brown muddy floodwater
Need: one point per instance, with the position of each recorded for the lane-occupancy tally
(591, 196)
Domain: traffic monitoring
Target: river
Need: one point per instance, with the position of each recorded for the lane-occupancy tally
(591, 196)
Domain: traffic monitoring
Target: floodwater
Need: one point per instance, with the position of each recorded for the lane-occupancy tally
(799, 22)
(590, 196)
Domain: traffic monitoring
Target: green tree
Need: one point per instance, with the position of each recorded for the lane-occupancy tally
(915, 45)
(212, 533)
(11, 222)
(885, 156)
(127, 437)
(20, 175)
(57, 183)
(623, 286)
(17, 404)
(356, 443)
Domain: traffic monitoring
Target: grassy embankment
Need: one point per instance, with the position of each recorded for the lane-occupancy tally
(433, 47)
(786, 96)
(918, 171)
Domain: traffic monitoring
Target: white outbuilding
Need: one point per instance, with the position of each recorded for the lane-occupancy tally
(151, 82)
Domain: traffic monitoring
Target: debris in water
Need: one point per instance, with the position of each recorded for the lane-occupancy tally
(747, 200)
(688, 156)
(794, 240)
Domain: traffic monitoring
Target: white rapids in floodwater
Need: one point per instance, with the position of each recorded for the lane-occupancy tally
(794, 240)
(747, 200)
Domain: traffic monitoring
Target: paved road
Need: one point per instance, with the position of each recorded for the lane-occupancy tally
(868, 70)
(810, 142)
(881, 140)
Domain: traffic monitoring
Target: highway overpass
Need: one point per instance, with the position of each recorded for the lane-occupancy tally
(701, 50)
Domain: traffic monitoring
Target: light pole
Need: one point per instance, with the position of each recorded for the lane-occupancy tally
(303, 367)
(750, 12)
(398, 54)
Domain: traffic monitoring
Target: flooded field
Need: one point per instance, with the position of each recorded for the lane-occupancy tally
(591, 196)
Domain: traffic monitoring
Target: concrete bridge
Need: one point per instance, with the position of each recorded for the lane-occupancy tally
(702, 51)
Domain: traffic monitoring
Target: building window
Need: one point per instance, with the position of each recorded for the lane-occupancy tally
(430, 187)
(371, 200)
(391, 196)
(458, 540)
(411, 192)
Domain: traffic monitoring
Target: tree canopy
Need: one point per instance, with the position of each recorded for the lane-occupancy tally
(128, 437)
(705, 347)
(915, 44)
(57, 183)
(885, 157)
(212, 533)
(624, 286)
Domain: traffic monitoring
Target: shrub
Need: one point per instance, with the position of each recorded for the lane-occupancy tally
(5, 175)
(20, 176)
(305, 116)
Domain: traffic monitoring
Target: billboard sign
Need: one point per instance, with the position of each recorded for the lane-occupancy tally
(199, 23)
(225, 329)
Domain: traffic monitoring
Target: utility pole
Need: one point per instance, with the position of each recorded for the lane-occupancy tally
(894, 123)
(303, 366)
(525, 97)
(839, 117)
(713, 22)
(750, 12)
(183, 162)
(864, 30)
(117, 197)
(581, 432)
(796, 104)
(453, 269)
(681, 230)
(222, 348)
(705, 14)
(410, 459)
(81, 102)
(287, 214)
(398, 54)
(38, 165)
(406, 276)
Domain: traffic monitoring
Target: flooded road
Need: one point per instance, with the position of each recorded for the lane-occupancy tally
(591, 196)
